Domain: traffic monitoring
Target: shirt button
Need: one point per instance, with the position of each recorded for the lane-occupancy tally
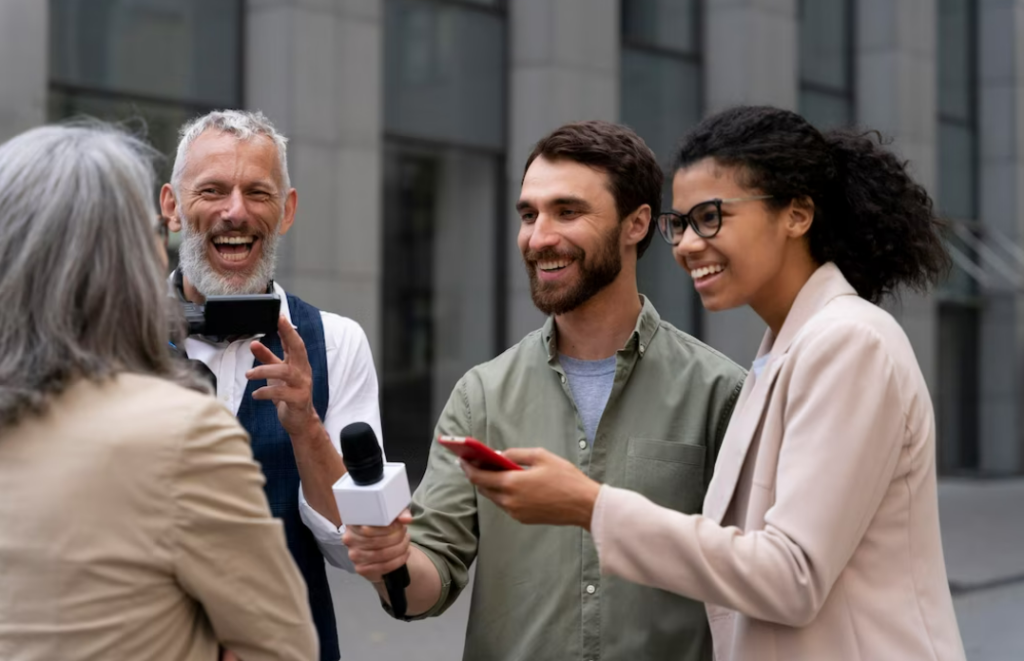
(591, 589)
(563, 378)
(583, 444)
(642, 349)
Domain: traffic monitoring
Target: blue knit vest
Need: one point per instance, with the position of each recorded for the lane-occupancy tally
(272, 448)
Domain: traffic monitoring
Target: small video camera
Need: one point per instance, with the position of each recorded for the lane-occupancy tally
(223, 316)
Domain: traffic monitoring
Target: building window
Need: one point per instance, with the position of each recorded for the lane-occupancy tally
(826, 62)
(444, 209)
(162, 60)
(152, 63)
(958, 126)
(959, 297)
(661, 100)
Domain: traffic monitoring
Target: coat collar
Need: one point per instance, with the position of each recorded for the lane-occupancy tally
(826, 284)
(646, 326)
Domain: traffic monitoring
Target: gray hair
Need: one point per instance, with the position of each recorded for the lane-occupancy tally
(243, 124)
(81, 286)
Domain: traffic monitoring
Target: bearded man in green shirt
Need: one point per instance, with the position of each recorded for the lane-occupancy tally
(605, 384)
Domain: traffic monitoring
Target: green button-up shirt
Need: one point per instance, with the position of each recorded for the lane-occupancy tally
(538, 592)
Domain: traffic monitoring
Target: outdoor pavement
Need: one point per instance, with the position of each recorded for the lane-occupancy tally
(983, 539)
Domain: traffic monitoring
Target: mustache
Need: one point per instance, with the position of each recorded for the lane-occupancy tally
(224, 227)
(532, 256)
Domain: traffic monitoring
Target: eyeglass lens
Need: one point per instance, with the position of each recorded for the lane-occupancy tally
(704, 218)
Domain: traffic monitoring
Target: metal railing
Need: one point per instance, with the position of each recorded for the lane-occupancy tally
(992, 258)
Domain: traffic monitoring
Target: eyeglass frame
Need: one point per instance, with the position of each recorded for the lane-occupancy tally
(688, 220)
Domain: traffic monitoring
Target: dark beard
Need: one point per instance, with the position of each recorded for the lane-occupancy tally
(594, 275)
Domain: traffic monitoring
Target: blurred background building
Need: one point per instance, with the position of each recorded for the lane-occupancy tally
(410, 121)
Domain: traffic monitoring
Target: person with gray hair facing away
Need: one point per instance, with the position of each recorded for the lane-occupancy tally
(133, 524)
(293, 390)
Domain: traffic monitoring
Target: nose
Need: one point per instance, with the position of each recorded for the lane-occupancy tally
(690, 243)
(542, 234)
(235, 213)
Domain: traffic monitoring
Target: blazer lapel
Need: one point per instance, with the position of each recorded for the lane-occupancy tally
(824, 285)
(738, 438)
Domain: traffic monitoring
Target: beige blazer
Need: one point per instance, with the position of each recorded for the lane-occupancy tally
(133, 525)
(820, 533)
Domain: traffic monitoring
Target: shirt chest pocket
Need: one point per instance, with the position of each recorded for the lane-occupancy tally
(669, 474)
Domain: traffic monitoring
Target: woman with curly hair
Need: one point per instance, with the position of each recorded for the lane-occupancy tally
(819, 537)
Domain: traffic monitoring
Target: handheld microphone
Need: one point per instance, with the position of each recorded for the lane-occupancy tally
(373, 493)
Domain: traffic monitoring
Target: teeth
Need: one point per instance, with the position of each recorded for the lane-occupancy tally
(551, 266)
(234, 257)
(705, 271)
(233, 240)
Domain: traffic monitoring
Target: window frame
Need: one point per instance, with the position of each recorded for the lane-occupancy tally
(193, 105)
(972, 124)
(848, 96)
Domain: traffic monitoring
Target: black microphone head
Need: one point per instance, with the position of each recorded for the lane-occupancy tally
(362, 454)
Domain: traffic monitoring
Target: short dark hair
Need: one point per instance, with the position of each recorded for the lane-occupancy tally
(632, 169)
(870, 217)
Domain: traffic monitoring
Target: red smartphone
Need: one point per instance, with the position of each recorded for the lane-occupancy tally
(477, 453)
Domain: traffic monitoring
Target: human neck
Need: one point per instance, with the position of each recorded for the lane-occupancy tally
(601, 326)
(778, 296)
(192, 294)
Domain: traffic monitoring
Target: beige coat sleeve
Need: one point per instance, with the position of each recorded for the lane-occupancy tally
(845, 427)
(230, 553)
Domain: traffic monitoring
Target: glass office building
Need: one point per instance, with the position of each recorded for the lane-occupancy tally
(409, 122)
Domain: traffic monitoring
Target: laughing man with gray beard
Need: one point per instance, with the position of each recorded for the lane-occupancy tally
(292, 390)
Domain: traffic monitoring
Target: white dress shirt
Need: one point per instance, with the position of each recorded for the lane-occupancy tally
(352, 382)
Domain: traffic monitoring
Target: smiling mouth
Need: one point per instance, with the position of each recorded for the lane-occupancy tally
(706, 271)
(234, 248)
(553, 265)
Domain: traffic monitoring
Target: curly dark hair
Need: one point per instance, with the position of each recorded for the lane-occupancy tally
(632, 168)
(870, 217)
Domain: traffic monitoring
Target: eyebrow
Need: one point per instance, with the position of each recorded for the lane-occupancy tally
(213, 181)
(569, 201)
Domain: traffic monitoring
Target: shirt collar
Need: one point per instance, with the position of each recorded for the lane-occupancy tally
(643, 332)
(285, 311)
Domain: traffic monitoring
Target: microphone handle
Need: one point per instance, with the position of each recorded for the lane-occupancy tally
(396, 582)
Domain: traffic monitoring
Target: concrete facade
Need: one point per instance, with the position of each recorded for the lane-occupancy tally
(24, 32)
(1001, 101)
(317, 68)
(564, 64)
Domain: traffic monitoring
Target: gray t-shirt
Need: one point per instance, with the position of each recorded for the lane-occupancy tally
(591, 383)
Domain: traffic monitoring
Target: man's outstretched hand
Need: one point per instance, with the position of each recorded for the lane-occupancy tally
(289, 381)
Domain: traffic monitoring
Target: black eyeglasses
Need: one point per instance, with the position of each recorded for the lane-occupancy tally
(163, 232)
(705, 218)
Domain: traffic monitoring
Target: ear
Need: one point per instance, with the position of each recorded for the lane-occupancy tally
(169, 208)
(291, 203)
(799, 217)
(636, 225)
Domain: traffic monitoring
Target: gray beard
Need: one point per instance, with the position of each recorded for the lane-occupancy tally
(207, 281)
